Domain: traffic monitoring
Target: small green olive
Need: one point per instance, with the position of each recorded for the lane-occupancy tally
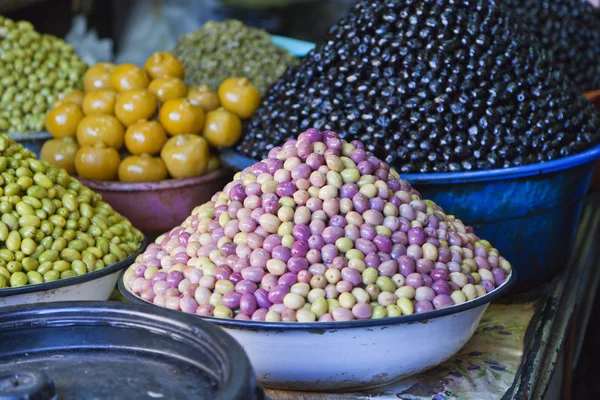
(61, 265)
(18, 279)
(79, 267)
(51, 276)
(34, 277)
(14, 266)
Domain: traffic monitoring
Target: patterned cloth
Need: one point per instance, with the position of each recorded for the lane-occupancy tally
(484, 369)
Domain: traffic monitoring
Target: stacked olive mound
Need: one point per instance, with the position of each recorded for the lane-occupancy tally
(570, 31)
(34, 70)
(430, 86)
(320, 230)
(52, 227)
(220, 50)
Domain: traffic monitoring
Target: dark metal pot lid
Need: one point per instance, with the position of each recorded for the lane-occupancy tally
(92, 350)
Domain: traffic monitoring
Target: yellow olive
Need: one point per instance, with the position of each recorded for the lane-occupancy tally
(142, 168)
(239, 96)
(185, 156)
(222, 128)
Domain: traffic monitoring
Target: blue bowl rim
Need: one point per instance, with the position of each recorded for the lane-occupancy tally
(522, 171)
(329, 326)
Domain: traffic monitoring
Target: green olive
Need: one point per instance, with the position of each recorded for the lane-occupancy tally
(34, 277)
(69, 235)
(110, 259)
(7, 255)
(13, 242)
(61, 265)
(67, 274)
(44, 267)
(30, 264)
(89, 260)
(3, 231)
(14, 266)
(79, 267)
(103, 244)
(78, 245)
(46, 242)
(59, 244)
(48, 255)
(28, 246)
(18, 279)
(70, 255)
(51, 276)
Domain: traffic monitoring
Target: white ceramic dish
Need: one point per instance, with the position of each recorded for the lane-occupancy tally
(331, 356)
(97, 285)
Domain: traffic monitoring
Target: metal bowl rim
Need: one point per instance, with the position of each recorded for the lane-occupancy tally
(321, 326)
(76, 280)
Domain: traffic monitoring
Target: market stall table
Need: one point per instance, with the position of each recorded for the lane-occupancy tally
(525, 347)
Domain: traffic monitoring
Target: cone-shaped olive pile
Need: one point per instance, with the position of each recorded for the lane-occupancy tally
(321, 230)
(51, 226)
(569, 30)
(430, 86)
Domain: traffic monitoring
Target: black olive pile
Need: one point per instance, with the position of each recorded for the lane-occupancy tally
(430, 86)
(569, 30)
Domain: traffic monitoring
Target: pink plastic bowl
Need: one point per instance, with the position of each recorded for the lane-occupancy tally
(159, 206)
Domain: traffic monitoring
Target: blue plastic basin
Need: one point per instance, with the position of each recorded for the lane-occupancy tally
(530, 213)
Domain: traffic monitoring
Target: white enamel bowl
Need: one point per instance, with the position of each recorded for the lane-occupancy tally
(331, 356)
(97, 285)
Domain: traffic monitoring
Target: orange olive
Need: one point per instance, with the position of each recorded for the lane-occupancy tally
(135, 105)
(167, 88)
(145, 137)
(62, 121)
(60, 152)
(213, 163)
(163, 64)
(179, 116)
(100, 128)
(222, 128)
(204, 97)
(128, 77)
(185, 156)
(97, 162)
(99, 102)
(142, 168)
(239, 96)
(75, 97)
(97, 77)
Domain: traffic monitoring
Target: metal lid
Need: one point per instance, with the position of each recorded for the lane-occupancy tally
(25, 385)
(110, 350)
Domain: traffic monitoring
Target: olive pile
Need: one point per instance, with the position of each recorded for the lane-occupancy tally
(320, 230)
(220, 50)
(570, 31)
(34, 70)
(52, 227)
(430, 86)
